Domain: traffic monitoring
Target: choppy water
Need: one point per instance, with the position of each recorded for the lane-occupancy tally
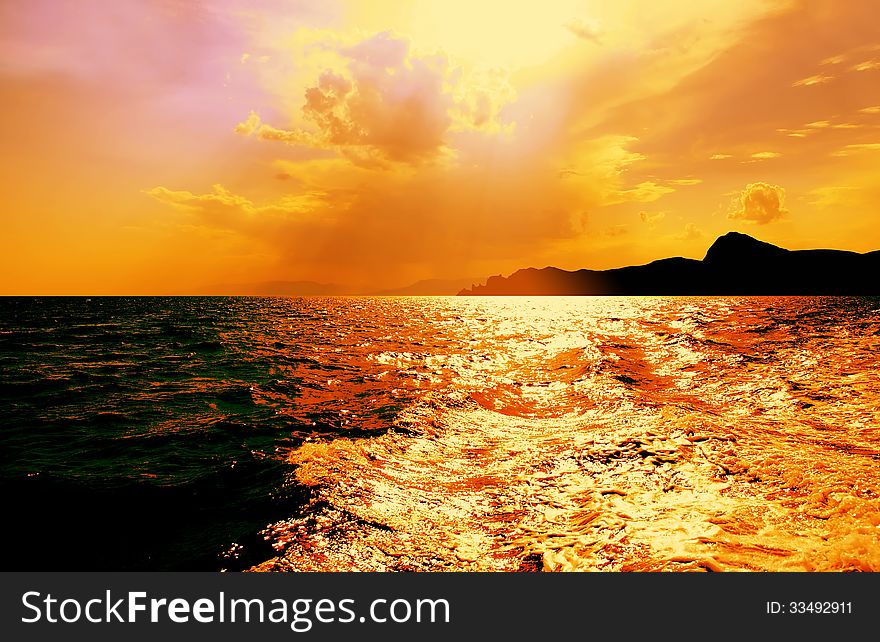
(441, 433)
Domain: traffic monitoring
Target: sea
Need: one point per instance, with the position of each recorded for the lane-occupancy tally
(440, 433)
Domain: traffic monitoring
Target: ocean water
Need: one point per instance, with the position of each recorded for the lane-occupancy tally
(440, 433)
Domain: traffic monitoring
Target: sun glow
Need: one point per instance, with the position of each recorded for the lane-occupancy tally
(497, 33)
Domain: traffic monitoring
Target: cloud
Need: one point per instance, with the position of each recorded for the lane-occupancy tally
(353, 223)
(814, 128)
(795, 133)
(875, 109)
(828, 197)
(833, 60)
(224, 209)
(599, 168)
(253, 126)
(849, 150)
(220, 204)
(720, 156)
(479, 98)
(391, 104)
(645, 192)
(818, 79)
(584, 30)
(760, 203)
(615, 230)
(691, 233)
(867, 65)
(765, 155)
(651, 218)
(686, 181)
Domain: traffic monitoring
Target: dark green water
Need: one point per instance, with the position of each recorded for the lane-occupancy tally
(152, 433)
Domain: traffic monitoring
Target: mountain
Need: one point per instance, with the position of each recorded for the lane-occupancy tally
(429, 287)
(279, 288)
(736, 264)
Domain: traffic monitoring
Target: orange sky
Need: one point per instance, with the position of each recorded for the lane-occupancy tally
(165, 146)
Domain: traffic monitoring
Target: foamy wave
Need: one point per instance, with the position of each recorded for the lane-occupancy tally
(472, 489)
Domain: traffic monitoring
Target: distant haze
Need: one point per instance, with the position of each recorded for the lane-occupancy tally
(428, 287)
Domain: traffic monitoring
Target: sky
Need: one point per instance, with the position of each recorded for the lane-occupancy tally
(168, 146)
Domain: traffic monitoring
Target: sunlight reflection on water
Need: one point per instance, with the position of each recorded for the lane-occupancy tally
(611, 434)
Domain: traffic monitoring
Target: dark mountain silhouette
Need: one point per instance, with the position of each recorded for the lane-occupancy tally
(736, 264)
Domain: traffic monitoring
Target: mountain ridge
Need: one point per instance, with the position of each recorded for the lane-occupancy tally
(735, 264)
(424, 287)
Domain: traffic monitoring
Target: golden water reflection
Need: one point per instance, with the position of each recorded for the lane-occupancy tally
(610, 434)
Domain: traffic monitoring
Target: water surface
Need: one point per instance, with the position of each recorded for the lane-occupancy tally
(608, 433)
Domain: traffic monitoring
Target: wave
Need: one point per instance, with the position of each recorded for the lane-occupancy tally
(468, 488)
